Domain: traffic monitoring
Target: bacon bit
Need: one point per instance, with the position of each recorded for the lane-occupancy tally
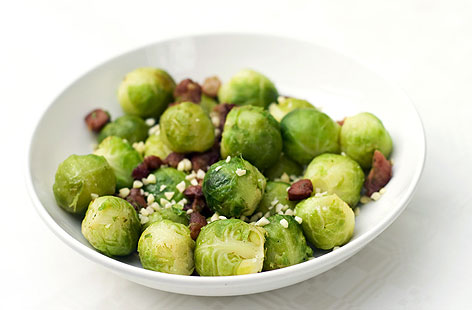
(194, 191)
(197, 221)
(97, 119)
(222, 110)
(379, 175)
(136, 199)
(173, 159)
(341, 122)
(188, 90)
(204, 160)
(149, 164)
(300, 190)
(211, 86)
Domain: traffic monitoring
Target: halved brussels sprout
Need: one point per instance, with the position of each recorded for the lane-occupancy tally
(80, 176)
(186, 128)
(122, 157)
(286, 105)
(207, 104)
(131, 128)
(167, 179)
(229, 247)
(156, 146)
(361, 135)
(283, 165)
(307, 133)
(327, 221)
(275, 193)
(172, 214)
(166, 246)
(248, 87)
(146, 92)
(253, 133)
(285, 246)
(111, 225)
(233, 187)
(336, 174)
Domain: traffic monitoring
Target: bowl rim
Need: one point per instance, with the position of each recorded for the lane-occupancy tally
(330, 258)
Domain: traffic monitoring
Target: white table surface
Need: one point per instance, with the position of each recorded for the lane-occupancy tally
(423, 261)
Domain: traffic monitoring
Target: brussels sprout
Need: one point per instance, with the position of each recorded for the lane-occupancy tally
(253, 133)
(248, 87)
(286, 105)
(233, 187)
(156, 146)
(172, 214)
(337, 174)
(207, 104)
(307, 133)
(361, 135)
(80, 176)
(285, 246)
(131, 128)
(283, 165)
(111, 225)
(327, 221)
(166, 246)
(122, 157)
(146, 92)
(186, 128)
(167, 179)
(275, 193)
(229, 247)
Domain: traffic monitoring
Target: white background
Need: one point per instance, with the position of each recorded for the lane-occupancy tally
(423, 261)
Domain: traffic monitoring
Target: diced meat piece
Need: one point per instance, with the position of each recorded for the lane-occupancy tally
(173, 159)
(341, 122)
(194, 191)
(140, 172)
(97, 119)
(149, 164)
(300, 190)
(379, 175)
(197, 221)
(206, 159)
(222, 110)
(211, 86)
(188, 90)
(136, 199)
(152, 162)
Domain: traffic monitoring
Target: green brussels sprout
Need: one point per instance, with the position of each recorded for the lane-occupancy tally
(337, 174)
(146, 92)
(327, 220)
(248, 87)
(172, 214)
(156, 146)
(307, 133)
(275, 193)
(283, 165)
(229, 247)
(80, 176)
(286, 105)
(361, 135)
(111, 225)
(131, 128)
(233, 187)
(167, 179)
(122, 157)
(166, 246)
(285, 246)
(186, 128)
(207, 103)
(253, 133)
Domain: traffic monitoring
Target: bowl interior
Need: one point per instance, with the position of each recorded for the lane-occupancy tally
(336, 84)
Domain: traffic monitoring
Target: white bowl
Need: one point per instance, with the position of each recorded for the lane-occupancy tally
(337, 84)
